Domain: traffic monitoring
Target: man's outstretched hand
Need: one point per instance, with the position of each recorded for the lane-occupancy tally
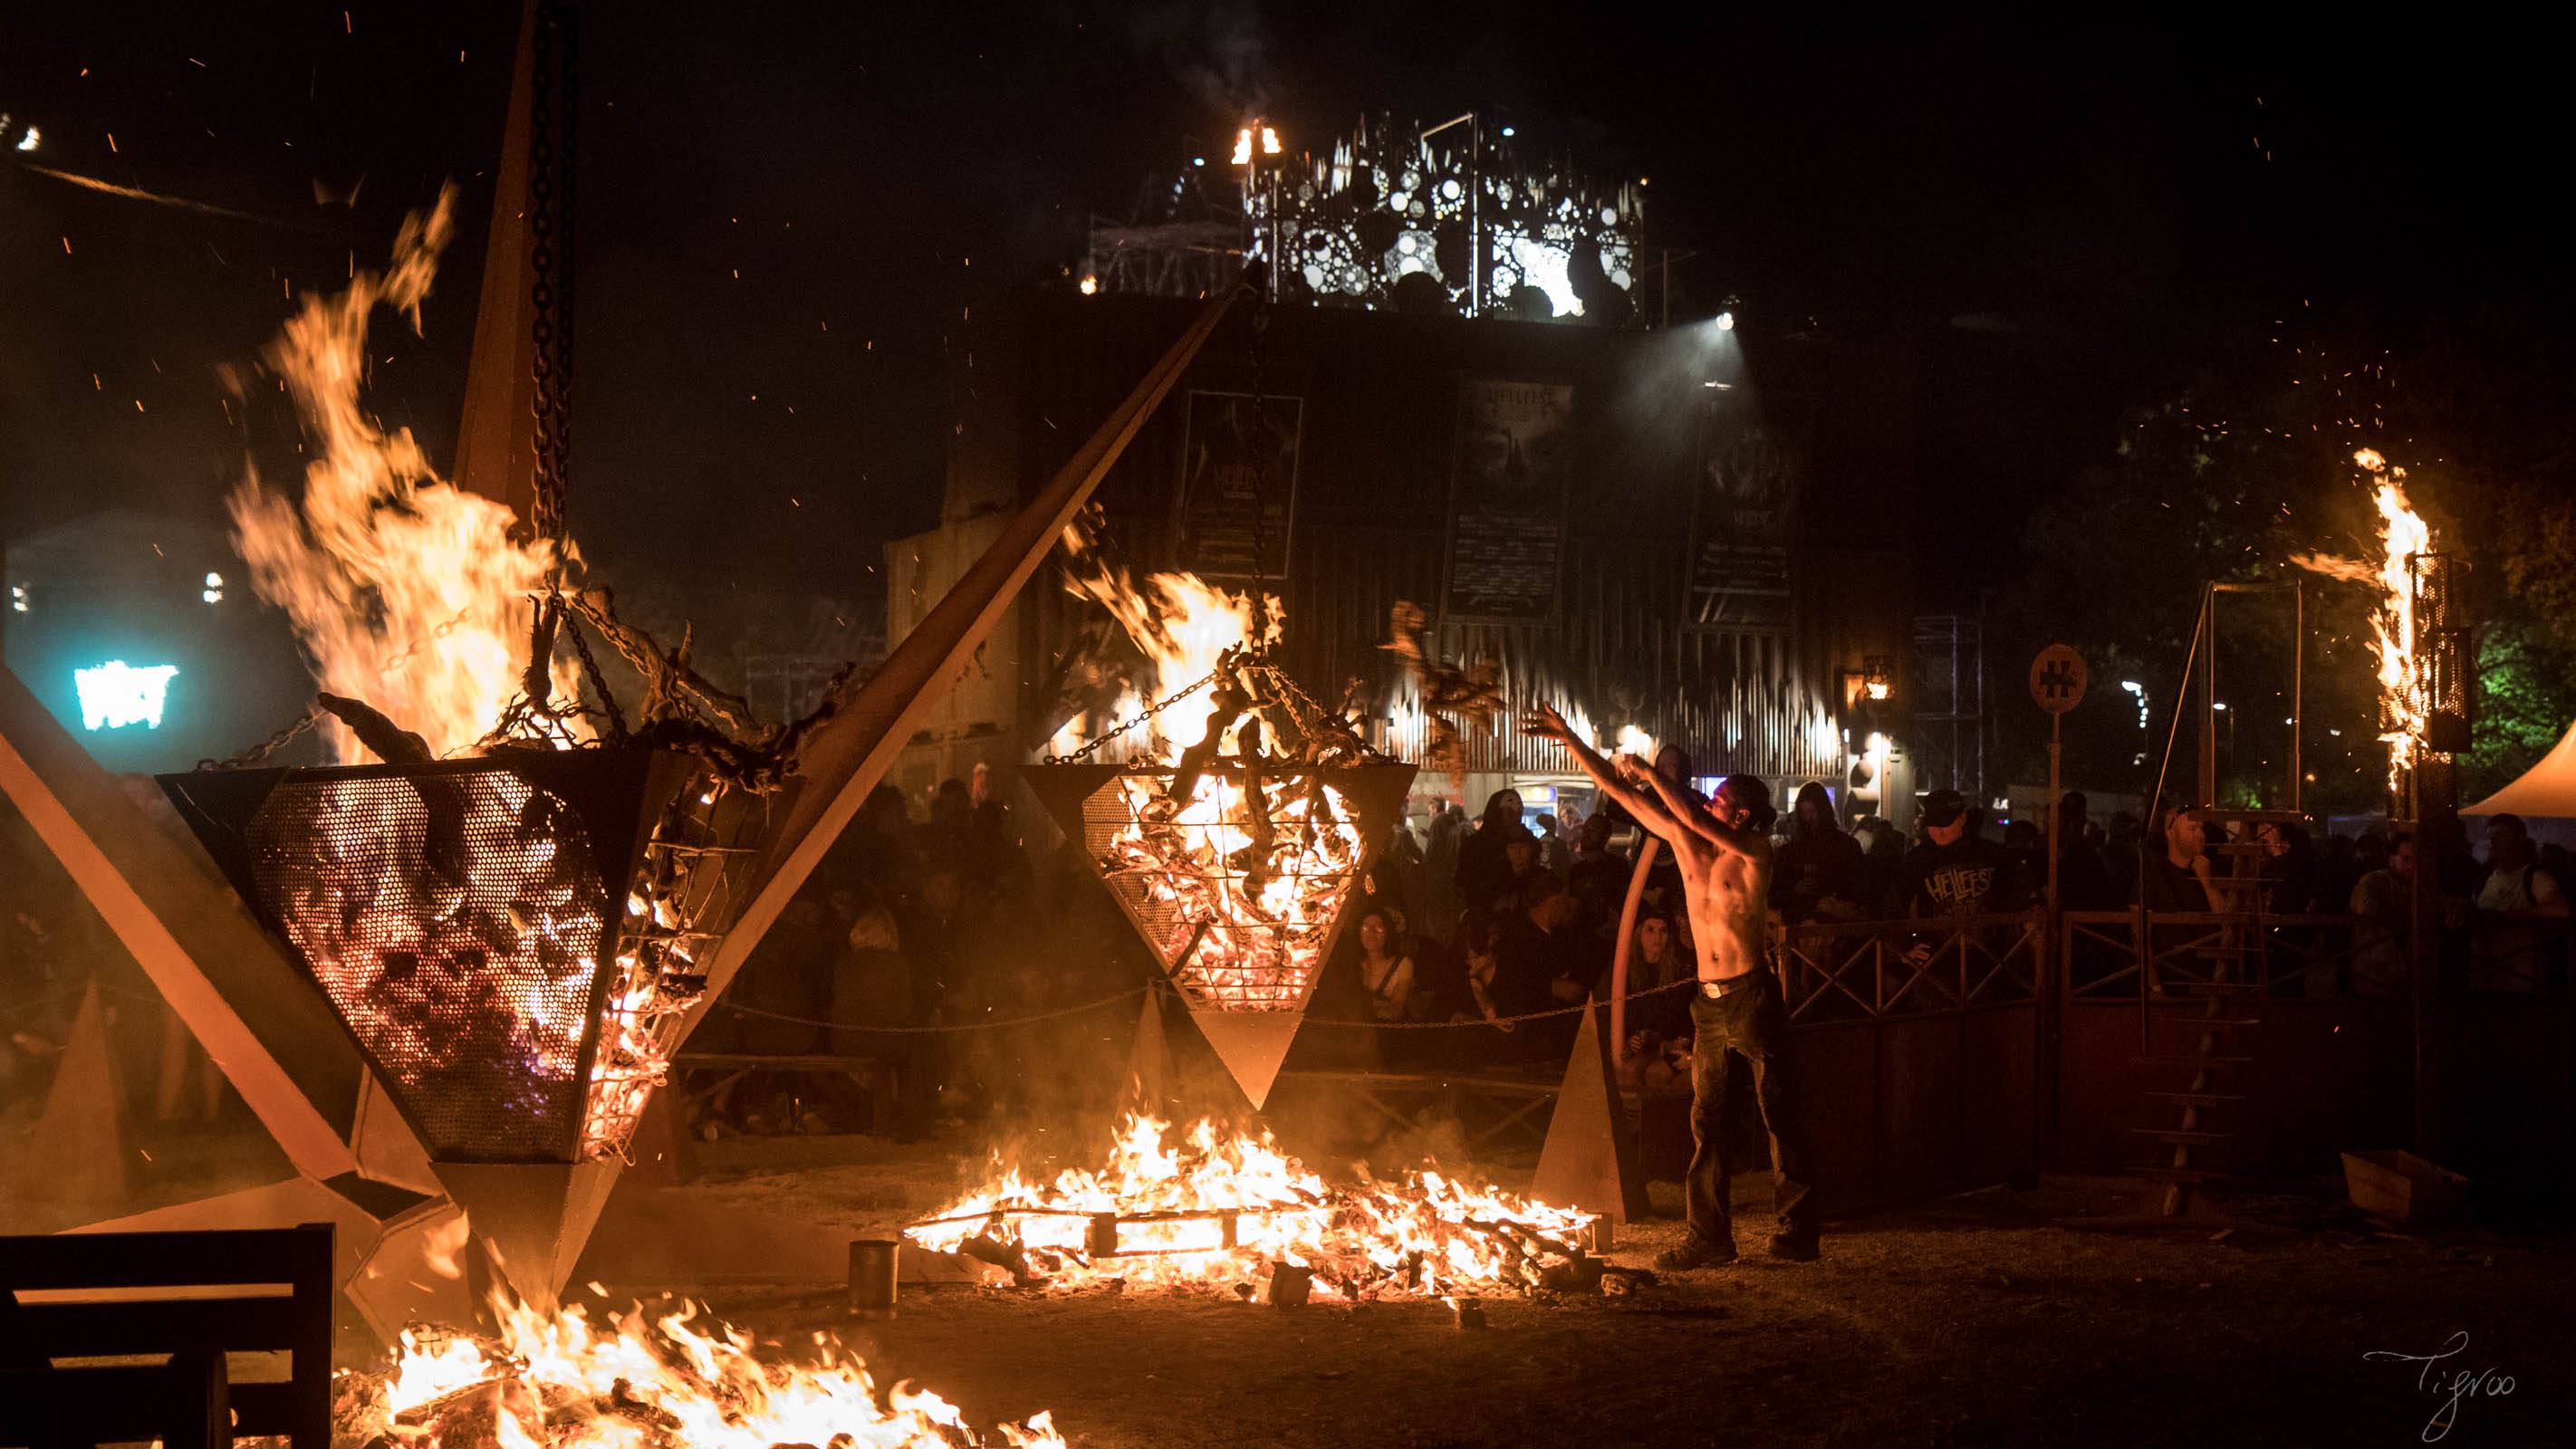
(1544, 722)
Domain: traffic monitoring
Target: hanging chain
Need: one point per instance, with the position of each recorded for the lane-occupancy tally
(552, 109)
(1258, 645)
(598, 681)
(1085, 751)
(258, 754)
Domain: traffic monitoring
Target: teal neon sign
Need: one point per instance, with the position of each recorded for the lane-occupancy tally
(116, 694)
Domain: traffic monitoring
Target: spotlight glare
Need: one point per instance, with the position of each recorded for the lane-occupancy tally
(1725, 321)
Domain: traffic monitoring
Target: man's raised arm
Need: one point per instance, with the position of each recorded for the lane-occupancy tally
(1696, 820)
(1546, 723)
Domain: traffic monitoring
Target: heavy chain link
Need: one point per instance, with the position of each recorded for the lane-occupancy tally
(258, 754)
(598, 681)
(1258, 644)
(311, 719)
(1148, 712)
(553, 107)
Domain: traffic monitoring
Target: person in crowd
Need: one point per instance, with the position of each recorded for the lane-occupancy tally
(2554, 859)
(1882, 856)
(1488, 994)
(1953, 876)
(2510, 953)
(1819, 870)
(2292, 872)
(1723, 850)
(1437, 912)
(878, 843)
(1543, 957)
(2121, 856)
(1656, 1055)
(1598, 875)
(2022, 839)
(2082, 883)
(1395, 879)
(1955, 872)
(1521, 854)
(871, 997)
(2383, 935)
(1485, 875)
(2180, 878)
(1386, 970)
(2338, 871)
(1553, 853)
(993, 847)
(775, 1007)
(949, 838)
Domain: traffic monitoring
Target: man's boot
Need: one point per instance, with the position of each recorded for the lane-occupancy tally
(1695, 1253)
(1793, 1250)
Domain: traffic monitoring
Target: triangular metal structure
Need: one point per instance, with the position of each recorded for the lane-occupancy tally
(1249, 1031)
(257, 1015)
(1587, 1161)
(1149, 1059)
(532, 1218)
(76, 1157)
(1251, 1044)
(463, 919)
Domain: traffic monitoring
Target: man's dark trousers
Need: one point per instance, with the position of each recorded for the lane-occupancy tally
(1752, 1021)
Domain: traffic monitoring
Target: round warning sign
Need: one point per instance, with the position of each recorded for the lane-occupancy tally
(2057, 678)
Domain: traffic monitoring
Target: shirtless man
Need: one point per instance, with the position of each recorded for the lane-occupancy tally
(1724, 852)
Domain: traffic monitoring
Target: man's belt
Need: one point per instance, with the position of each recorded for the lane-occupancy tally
(1733, 984)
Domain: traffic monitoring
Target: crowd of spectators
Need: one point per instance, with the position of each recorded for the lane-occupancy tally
(1470, 924)
(914, 926)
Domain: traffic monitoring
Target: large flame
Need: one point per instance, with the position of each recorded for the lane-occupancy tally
(406, 592)
(2403, 535)
(1180, 622)
(1212, 1208)
(667, 1376)
(1244, 876)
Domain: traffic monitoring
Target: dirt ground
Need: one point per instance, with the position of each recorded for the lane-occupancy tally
(1987, 1319)
(1979, 1320)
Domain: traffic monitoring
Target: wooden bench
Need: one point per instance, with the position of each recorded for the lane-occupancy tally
(149, 1295)
(875, 1079)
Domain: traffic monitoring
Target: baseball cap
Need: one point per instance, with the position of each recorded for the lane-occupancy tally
(1944, 807)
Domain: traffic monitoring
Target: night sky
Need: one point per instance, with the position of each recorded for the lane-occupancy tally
(787, 213)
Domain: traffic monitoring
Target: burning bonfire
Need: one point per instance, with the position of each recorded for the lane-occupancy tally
(2404, 537)
(1239, 823)
(650, 1378)
(1208, 1208)
(478, 934)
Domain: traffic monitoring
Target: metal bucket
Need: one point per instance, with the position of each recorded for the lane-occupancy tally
(872, 1273)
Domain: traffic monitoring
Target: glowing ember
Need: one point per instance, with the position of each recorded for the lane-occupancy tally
(406, 592)
(1210, 1208)
(671, 1377)
(2403, 536)
(455, 922)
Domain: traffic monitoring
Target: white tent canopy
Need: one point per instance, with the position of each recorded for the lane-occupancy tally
(2546, 791)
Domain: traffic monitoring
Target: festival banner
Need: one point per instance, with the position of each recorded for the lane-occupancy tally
(1753, 460)
(1238, 466)
(1515, 455)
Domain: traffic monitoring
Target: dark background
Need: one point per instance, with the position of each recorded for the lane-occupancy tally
(2061, 218)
